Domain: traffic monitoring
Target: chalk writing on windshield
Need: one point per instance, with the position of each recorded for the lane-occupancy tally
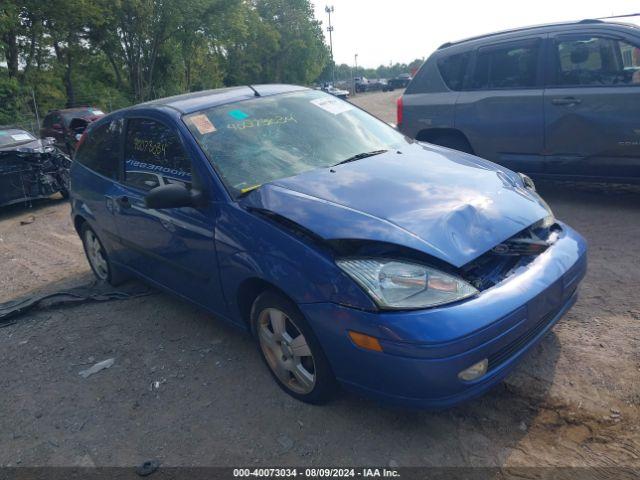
(263, 122)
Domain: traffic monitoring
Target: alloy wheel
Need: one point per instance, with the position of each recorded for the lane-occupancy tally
(96, 255)
(286, 350)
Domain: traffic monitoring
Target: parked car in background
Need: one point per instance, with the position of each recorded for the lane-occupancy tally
(336, 92)
(66, 126)
(30, 168)
(401, 81)
(409, 272)
(363, 84)
(557, 101)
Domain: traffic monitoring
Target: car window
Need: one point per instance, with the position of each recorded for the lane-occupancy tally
(48, 121)
(592, 60)
(82, 113)
(453, 69)
(56, 119)
(264, 139)
(100, 150)
(153, 151)
(507, 66)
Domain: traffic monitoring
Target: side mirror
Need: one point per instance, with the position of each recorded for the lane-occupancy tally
(173, 195)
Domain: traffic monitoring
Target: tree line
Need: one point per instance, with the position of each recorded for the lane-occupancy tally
(112, 53)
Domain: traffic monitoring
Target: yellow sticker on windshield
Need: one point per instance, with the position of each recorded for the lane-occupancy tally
(203, 124)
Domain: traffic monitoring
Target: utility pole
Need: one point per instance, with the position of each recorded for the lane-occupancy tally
(329, 10)
(35, 107)
(355, 69)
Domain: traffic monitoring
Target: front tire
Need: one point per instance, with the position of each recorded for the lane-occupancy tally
(290, 349)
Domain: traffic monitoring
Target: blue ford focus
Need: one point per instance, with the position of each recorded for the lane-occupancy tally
(411, 273)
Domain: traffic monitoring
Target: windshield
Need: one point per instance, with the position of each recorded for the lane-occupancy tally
(82, 113)
(265, 139)
(14, 136)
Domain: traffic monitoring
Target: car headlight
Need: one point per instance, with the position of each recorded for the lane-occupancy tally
(550, 219)
(397, 284)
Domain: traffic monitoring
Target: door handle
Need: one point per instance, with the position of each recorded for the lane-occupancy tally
(123, 201)
(566, 101)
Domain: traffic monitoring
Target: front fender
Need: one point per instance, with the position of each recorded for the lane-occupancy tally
(251, 247)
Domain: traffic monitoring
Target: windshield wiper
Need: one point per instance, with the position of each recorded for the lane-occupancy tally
(360, 156)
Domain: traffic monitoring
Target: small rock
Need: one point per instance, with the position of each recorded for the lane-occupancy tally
(522, 427)
(148, 467)
(28, 220)
(286, 442)
(615, 411)
(155, 385)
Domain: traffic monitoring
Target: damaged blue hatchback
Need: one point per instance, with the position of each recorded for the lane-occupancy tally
(409, 272)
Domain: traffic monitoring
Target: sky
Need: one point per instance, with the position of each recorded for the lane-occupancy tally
(383, 31)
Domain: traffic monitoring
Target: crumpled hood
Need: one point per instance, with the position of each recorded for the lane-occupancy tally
(38, 145)
(444, 203)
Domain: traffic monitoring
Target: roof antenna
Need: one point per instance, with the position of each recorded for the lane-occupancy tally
(620, 16)
(255, 92)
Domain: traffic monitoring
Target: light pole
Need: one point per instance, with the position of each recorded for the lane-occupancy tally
(329, 10)
(355, 69)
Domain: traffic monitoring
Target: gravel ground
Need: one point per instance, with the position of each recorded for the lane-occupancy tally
(189, 390)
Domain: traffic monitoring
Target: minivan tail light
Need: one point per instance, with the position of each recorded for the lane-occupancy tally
(399, 111)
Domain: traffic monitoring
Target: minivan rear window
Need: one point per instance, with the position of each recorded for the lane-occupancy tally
(453, 69)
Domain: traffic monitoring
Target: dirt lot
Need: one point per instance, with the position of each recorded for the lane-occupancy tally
(189, 390)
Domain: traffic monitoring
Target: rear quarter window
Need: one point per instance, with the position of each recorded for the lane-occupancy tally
(100, 150)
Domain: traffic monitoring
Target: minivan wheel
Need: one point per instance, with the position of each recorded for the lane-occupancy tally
(98, 257)
(290, 349)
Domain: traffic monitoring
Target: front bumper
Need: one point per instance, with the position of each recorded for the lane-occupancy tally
(425, 350)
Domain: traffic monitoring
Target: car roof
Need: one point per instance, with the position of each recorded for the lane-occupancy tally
(72, 109)
(549, 27)
(195, 101)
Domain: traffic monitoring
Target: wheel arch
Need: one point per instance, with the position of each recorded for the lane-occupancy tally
(78, 222)
(431, 134)
(248, 291)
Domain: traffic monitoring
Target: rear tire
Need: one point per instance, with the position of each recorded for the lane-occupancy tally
(290, 349)
(98, 257)
(453, 141)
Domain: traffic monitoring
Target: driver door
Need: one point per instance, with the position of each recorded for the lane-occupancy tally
(173, 247)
